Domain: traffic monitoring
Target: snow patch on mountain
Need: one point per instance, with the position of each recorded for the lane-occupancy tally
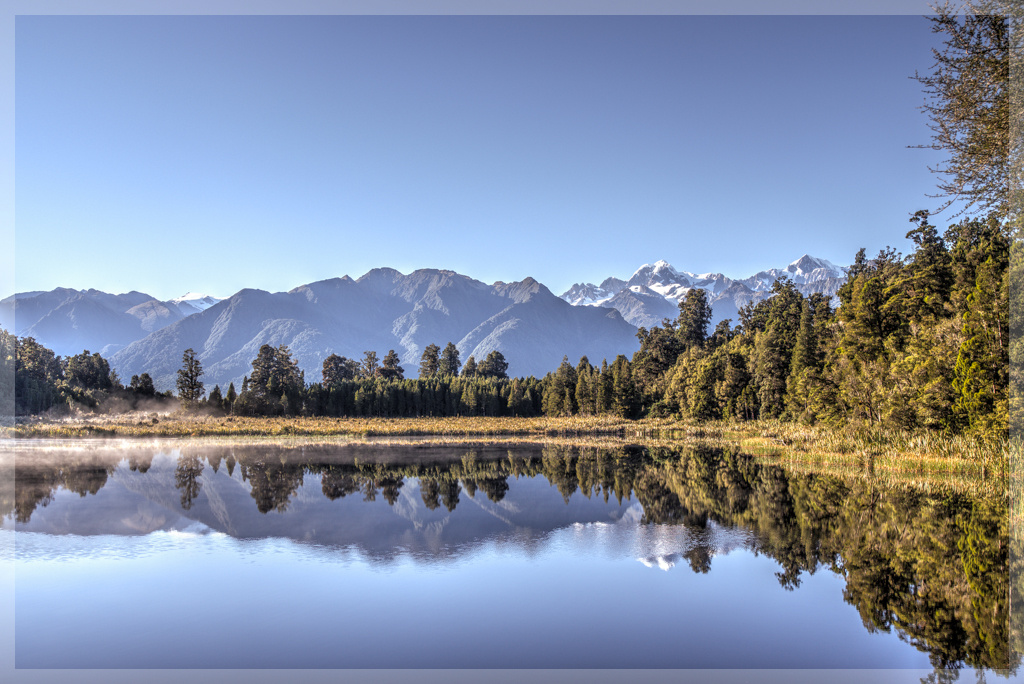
(588, 294)
(193, 302)
(197, 299)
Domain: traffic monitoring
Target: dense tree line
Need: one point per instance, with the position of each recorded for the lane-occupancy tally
(444, 387)
(43, 380)
(916, 342)
(920, 341)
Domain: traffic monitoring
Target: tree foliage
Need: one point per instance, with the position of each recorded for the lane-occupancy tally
(337, 369)
(968, 106)
(391, 367)
(190, 387)
(430, 362)
(275, 387)
(449, 362)
(494, 366)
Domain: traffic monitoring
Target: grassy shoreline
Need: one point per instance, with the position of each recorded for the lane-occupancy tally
(761, 437)
(183, 425)
(925, 460)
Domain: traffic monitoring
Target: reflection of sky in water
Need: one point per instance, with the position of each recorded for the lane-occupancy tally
(195, 599)
(124, 577)
(192, 597)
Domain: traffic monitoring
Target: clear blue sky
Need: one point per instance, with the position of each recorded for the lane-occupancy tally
(167, 154)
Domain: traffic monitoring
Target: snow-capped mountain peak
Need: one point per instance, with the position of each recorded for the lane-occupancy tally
(586, 294)
(194, 302)
(660, 268)
(633, 298)
(192, 296)
(808, 269)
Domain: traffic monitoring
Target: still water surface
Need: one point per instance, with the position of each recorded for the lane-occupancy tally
(532, 557)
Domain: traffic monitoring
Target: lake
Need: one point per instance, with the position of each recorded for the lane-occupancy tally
(289, 556)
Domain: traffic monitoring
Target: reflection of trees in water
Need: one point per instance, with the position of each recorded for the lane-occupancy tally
(430, 492)
(494, 487)
(435, 493)
(450, 494)
(1017, 578)
(699, 558)
(186, 478)
(272, 485)
(932, 568)
(337, 483)
(140, 463)
(35, 486)
(389, 488)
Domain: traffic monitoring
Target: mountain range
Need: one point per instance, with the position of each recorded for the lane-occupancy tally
(654, 291)
(382, 310)
(69, 321)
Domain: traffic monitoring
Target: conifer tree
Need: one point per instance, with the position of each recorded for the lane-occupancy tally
(370, 366)
(215, 400)
(625, 398)
(337, 369)
(469, 370)
(391, 367)
(430, 362)
(585, 387)
(517, 399)
(928, 275)
(190, 387)
(981, 372)
(494, 366)
(707, 372)
(605, 389)
(803, 365)
(449, 362)
(694, 318)
(230, 397)
(38, 376)
(142, 385)
(88, 371)
(559, 398)
(722, 334)
(276, 384)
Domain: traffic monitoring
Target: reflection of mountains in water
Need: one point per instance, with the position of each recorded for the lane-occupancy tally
(357, 501)
(933, 568)
(698, 548)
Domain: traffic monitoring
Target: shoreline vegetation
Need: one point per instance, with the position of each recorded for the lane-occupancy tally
(923, 459)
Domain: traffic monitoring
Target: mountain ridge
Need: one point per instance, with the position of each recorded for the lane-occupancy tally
(381, 310)
(633, 297)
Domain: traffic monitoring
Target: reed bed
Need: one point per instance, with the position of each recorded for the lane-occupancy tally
(895, 473)
(927, 461)
(1016, 487)
(182, 425)
(855, 441)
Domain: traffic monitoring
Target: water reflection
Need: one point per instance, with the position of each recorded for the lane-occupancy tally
(933, 569)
